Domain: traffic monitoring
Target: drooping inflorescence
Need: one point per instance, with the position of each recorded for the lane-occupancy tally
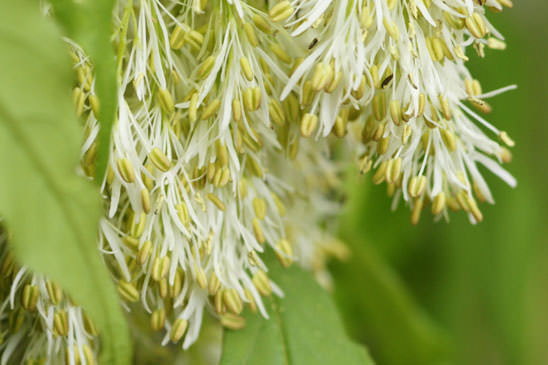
(227, 110)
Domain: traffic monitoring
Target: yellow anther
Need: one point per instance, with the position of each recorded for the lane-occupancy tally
(195, 39)
(261, 23)
(166, 101)
(193, 108)
(211, 109)
(145, 200)
(422, 105)
(378, 132)
(182, 212)
(379, 106)
(222, 153)
(16, 319)
(476, 25)
(160, 160)
(178, 330)
(382, 146)
(236, 110)
(391, 28)
(75, 351)
(281, 11)
(308, 124)
(259, 206)
(417, 185)
(177, 38)
(89, 325)
(374, 71)
(257, 230)
(29, 297)
(250, 301)
(110, 175)
(60, 323)
(276, 112)
(449, 139)
(284, 252)
(137, 228)
(380, 174)
(163, 288)
(89, 356)
(262, 283)
(242, 187)
(214, 284)
(459, 52)
(507, 3)
(279, 205)
(395, 111)
(223, 177)
(126, 170)
(339, 128)
(232, 301)
(79, 98)
(438, 203)
(503, 136)
(280, 53)
(246, 68)
(147, 180)
(393, 170)
(216, 201)
(160, 267)
(250, 33)
(255, 167)
(307, 93)
(201, 278)
(391, 4)
(365, 17)
(54, 292)
(445, 108)
(252, 98)
(505, 155)
(479, 193)
(205, 67)
(359, 92)
(144, 252)
(292, 106)
(455, 22)
(322, 76)
(438, 47)
(232, 321)
(468, 86)
(365, 165)
(177, 287)
(473, 207)
(334, 82)
(416, 210)
(158, 319)
(94, 104)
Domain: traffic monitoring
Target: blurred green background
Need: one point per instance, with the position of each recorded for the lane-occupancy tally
(454, 293)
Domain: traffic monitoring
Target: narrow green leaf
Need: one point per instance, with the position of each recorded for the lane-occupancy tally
(89, 23)
(304, 328)
(51, 212)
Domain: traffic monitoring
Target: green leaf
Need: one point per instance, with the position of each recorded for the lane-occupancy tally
(207, 349)
(304, 327)
(89, 23)
(377, 307)
(51, 212)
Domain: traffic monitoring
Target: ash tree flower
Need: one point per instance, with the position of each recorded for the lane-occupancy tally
(220, 151)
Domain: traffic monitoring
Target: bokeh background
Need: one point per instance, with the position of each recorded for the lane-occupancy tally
(457, 293)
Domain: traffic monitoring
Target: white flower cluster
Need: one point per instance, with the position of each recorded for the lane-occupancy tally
(220, 149)
(398, 67)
